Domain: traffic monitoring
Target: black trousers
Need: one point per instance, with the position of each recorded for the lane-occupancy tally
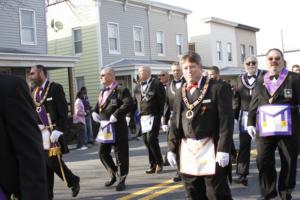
(243, 158)
(121, 150)
(53, 166)
(287, 147)
(208, 187)
(152, 144)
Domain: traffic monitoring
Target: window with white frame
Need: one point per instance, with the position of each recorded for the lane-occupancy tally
(138, 39)
(179, 44)
(80, 82)
(160, 42)
(77, 41)
(243, 52)
(219, 50)
(251, 50)
(229, 51)
(27, 27)
(113, 38)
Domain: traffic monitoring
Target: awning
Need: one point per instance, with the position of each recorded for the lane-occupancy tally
(28, 60)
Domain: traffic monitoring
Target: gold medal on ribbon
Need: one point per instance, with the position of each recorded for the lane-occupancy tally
(190, 106)
(189, 114)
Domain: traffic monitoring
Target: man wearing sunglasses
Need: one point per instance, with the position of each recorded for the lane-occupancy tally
(242, 98)
(274, 109)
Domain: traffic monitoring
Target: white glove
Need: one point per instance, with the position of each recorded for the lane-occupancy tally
(251, 131)
(96, 117)
(113, 119)
(127, 120)
(55, 135)
(172, 159)
(222, 158)
(165, 128)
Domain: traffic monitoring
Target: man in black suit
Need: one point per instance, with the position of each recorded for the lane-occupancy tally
(23, 170)
(274, 109)
(169, 119)
(113, 104)
(242, 98)
(52, 112)
(150, 95)
(204, 119)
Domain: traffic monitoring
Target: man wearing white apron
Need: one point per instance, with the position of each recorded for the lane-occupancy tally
(274, 111)
(204, 118)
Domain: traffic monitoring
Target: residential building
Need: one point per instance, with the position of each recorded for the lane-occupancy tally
(23, 39)
(222, 43)
(122, 34)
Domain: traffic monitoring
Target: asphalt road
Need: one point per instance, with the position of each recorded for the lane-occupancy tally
(86, 164)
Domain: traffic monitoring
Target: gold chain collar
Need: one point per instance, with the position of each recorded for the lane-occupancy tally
(39, 104)
(189, 105)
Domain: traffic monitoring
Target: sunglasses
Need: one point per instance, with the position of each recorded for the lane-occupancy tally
(273, 58)
(161, 75)
(251, 62)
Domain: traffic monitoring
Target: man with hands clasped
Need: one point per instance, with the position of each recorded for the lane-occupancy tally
(204, 119)
(113, 104)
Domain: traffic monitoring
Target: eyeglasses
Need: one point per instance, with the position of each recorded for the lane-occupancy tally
(274, 58)
(251, 62)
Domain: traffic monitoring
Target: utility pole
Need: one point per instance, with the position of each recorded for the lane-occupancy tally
(282, 44)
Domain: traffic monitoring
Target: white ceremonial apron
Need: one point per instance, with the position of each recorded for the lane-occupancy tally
(106, 132)
(147, 123)
(274, 120)
(46, 136)
(197, 157)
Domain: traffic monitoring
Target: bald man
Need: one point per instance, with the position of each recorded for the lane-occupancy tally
(113, 104)
(150, 96)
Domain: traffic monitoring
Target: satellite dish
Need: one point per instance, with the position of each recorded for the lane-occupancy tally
(56, 25)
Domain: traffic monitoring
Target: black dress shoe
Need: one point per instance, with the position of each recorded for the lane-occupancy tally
(242, 180)
(151, 170)
(121, 186)
(110, 182)
(177, 177)
(75, 189)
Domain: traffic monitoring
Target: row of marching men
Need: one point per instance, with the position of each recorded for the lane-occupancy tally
(199, 121)
(199, 118)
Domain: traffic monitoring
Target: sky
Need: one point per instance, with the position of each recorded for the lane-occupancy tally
(270, 16)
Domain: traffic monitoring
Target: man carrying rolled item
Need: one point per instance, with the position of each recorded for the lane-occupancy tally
(52, 110)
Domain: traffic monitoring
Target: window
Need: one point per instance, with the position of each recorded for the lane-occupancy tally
(219, 50)
(113, 38)
(243, 52)
(229, 51)
(251, 50)
(192, 47)
(79, 82)
(77, 41)
(179, 43)
(138, 39)
(160, 42)
(27, 27)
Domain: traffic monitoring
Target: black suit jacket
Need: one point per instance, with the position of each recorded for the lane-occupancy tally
(261, 97)
(23, 170)
(171, 91)
(153, 103)
(118, 103)
(242, 96)
(216, 122)
(56, 105)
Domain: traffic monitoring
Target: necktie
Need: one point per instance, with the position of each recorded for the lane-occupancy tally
(179, 81)
(143, 82)
(251, 76)
(38, 94)
(194, 85)
(105, 89)
(274, 76)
